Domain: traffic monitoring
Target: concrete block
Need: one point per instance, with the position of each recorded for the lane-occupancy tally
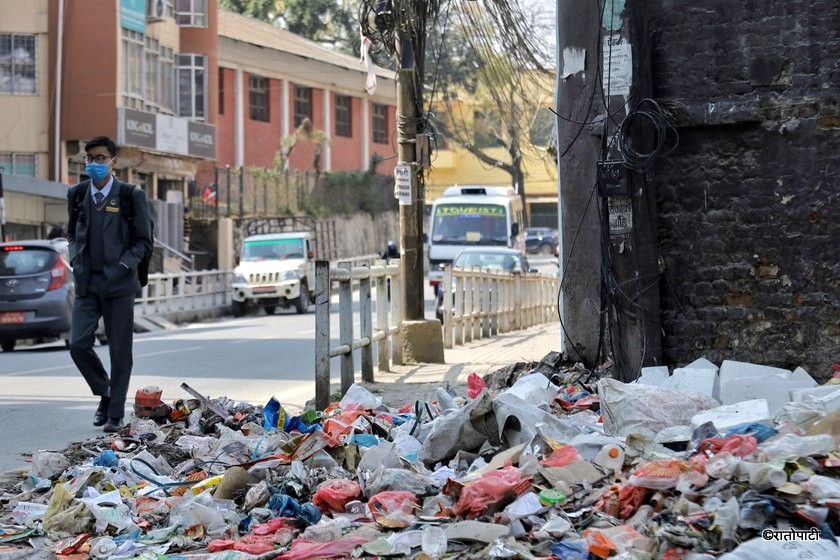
(804, 395)
(731, 369)
(689, 380)
(422, 342)
(730, 415)
(702, 363)
(773, 388)
(801, 379)
(654, 376)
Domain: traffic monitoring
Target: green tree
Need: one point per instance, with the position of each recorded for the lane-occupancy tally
(490, 83)
(330, 22)
(265, 10)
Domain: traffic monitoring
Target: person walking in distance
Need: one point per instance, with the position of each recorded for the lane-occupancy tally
(107, 241)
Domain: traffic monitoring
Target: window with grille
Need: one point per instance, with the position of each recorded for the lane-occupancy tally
(192, 86)
(380, 123)
(24, 165)
(191, 13)
(344, 116)
(303, 104)
(258, 98)
(18, 64)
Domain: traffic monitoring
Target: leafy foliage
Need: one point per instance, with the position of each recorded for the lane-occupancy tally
(265, 10)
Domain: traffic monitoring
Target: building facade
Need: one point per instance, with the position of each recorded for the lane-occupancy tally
(183, 88)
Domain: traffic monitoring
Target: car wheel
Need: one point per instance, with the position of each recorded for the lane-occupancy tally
(8, 345)
(302, 301)
(270, 309)
(238, 308)
(545, 249)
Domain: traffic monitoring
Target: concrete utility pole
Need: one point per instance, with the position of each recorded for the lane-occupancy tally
(421, 339)
(577, 48)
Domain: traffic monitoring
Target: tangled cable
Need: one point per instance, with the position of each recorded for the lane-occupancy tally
(631, 126)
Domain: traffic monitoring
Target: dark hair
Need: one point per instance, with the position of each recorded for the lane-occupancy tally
(103, 141)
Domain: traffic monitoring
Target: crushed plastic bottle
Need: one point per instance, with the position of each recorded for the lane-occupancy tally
(433, 541)
(103, 548)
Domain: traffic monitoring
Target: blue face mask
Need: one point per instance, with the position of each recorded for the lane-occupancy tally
(97, 171)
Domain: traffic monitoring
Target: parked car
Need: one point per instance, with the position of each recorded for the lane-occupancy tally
(492, 258)
(36, 292)
(541, 240)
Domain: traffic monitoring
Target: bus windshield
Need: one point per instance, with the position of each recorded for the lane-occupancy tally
(272, 249)
(470, 224)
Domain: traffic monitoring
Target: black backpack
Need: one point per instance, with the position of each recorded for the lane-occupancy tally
(127, 212)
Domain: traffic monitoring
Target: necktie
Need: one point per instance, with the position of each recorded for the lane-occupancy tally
(97, 198)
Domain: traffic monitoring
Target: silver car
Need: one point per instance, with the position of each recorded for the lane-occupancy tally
(36, 291)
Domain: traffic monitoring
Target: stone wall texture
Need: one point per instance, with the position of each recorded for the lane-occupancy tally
(749, 201)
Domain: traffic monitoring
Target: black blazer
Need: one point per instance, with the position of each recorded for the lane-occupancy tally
(124, 243)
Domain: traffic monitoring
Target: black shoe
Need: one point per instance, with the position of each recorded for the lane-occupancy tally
(101, 414)
(113, 425)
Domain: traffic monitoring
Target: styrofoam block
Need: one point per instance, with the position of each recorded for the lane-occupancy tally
(801, 395)
(730, 415)
(825, 403)
(801, 379)
(703, 381)
(731, 369)
(773, 388)
(656, 375)
(702, 363)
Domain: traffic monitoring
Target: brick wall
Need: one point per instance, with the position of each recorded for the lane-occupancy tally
(748, 203)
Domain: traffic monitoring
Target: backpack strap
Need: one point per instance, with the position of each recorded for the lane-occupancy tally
(76, 209)
(127, 201)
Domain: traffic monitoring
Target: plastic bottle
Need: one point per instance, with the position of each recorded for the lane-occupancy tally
(727, 518)
(103, 548)
(610, 457)
(433, 541)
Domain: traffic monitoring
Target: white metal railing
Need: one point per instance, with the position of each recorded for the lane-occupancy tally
(184, 291)
(386, 281)
(483, 303)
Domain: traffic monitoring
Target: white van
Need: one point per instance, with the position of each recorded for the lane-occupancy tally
(471, 216)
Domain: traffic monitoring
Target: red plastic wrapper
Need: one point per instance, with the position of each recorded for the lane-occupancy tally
(391, 502)
(308, 550)
(255, 544)
(334, 495)
(561, 457)
(269, 527)
(475, 385)
(220, 545)
(737, 444)
(490, 489)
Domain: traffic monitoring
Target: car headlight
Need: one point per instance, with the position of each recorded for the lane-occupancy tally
(240, 279)
(291, 275)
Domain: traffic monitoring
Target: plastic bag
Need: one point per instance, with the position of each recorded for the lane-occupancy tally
(46, 464)
(646, 409)
(736, 444)
(535, 389)
(491, 488)
(475, 385)
(360, 397)
(335, 494)
(761, 549)
(391, 503)
(306, 550)
(792, 445)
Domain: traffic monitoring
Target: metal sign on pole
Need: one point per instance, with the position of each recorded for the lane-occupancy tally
(403, 184)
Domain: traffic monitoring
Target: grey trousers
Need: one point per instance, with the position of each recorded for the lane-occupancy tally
(118, 315)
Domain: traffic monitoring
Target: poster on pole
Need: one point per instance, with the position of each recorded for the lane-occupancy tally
(617, 65)
(403, 184)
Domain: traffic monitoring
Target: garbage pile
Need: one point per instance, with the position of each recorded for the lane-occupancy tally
(543, 462)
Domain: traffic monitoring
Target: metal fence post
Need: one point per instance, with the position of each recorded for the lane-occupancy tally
(447, 305)
(382, 356)
(366, 328)
(322, 334)
(345, 321)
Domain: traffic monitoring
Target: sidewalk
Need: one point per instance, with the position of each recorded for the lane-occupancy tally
(408, 383)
